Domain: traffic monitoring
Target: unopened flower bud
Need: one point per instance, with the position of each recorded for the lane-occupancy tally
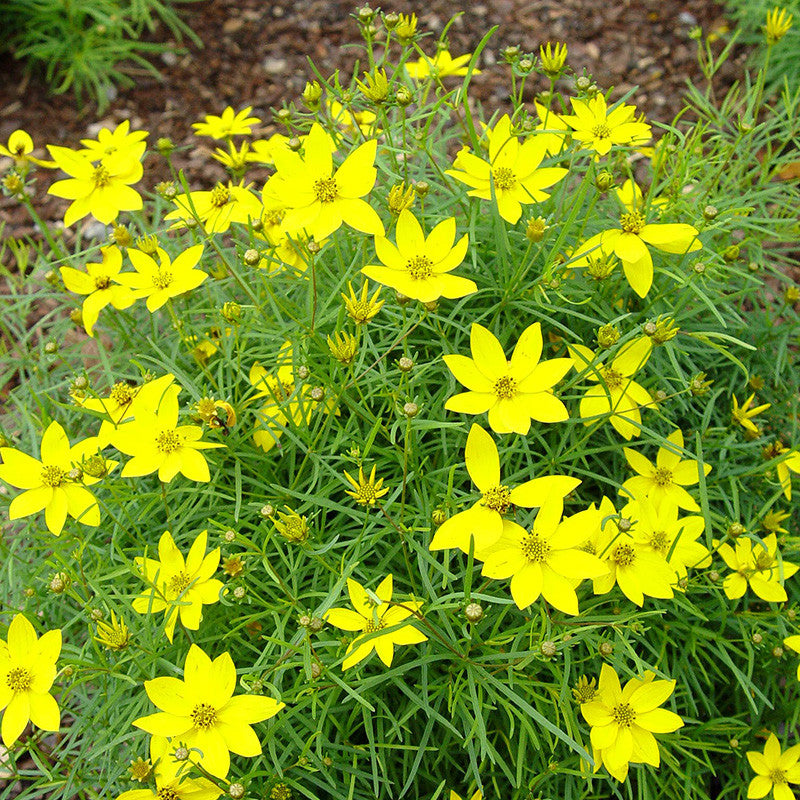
(582, 83)
(76, 316)
(164, 146)
(229, 536)
(713, 576)
(316, 624)
(294, 143)
(731, 253)
(59, 583)
(607, 335)
(510, 53)
(604, 181)
(536, 229)
(166, 189)
(96, 614)
(736, 529)
(605, 649)
(410, 410)
(365, 14)
(404, 97)
(251, 257)
(791, 295)
(51, 347)
(548, 648)
(268, 510)
(121, 236)
(312, 94)
(239, 592)
(231, 312)
(317, 394)
(316, 669)
(391, 20)
(710, 213)
(624, 524)
(422, 188)
(777, 651)
(405, 364)
(51, 276)
(734, 743)
(181, 753)
(304, 621)
(283, 115)
(303, 372)
(756, 638)
(474, 612)
(313, 247)
(236, 791)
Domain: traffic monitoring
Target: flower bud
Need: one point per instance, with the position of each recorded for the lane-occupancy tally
(400, 198)
(607, 335)
(391, 20)
(404, 97)
(251, 257)
(317, 394)
(405, 364)
(548, 648)
(605, 649)
(303, 372)
(59, 583)
(553, 59)
(181, 753)
(316, 624)
(51, 347)
(422, 188)
(231, 312)
(165, 146)
(312, 94)
(406, 29)
(410, 410)
(535, 229)
(710, 213)
(756, 638)
(731, 253)
(239, 592)
(511, 53)
(267, 511)
(121, 236)
(736, 529)
(474, 613)
(236, 791)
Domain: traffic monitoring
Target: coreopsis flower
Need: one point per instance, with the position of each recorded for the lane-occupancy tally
(599, 129)
(320, 198)
(362, 308)
(775, 770)
(512, 175)
(171, 777)
(773, 520)
(353, 123)
(230, 123)
(790, 464)
(477, 795)
(513, 392)
(664, 480)
(202, 712)
(27, 671)
(639, 571)
(406, 28)
(623, 721)
(262, 151)
(343, 347)
(615, 393)
(793, 643)
(98, 283)
(546, 560)
(234, 159)
(418, 266)
(109, 142)
(779, 22)
(371, 613)
(757, 564)
(553, 58)
(670, 537)
(113, 635)
(216, 210)
(629, 242)
(483, 521)
(178, 587)
(159, 281)
(291, 525)
(103, 189)
(375, 86)
(19, 147)
(51, 483)
(442, 65)
(367, 491)
(158, 444)
(743, 414)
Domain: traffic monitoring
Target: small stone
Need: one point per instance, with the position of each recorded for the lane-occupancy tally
(275, 66)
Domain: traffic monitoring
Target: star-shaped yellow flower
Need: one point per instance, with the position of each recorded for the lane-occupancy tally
(442, 65)
(743, 414)
(757, 564)
(597, 128)
(775, 770)
(230, 123)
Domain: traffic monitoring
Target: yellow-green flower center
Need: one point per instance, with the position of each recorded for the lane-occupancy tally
(122, 393)
(102, 282)
(660, 542)
(101, 176)
(53, 476)
(624, 715)
(535, 548)
(588, 547)
(165, 793)
(624, 555)
(204, 716)
(373, 626)
(272, 218)
(419, 267)
(662, 477)
(365, 494)
(498, 499)
(162, 278)
(326, 190)
(505, 388)
(632, 222)
(179, 582)
(763, 560)
(220, 196)
(611, 378)
(19, 679)
(504, 179)
(601, 131)
(168, 442)
(777, 776)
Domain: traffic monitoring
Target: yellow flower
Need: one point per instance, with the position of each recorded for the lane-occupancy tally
(27, 671)
(775, 770)
(217, 209)
(162, 280)
(546, 560)
(234, 159)
(363, 308)
(793, 643)
(512, 174)
(790, 463)
(779, 21)
(158, 444)
(291, 525)
(375, 86)
(20, 147)
(231, 123)
(553, 58)
(50, 484)
(623, 721)
(664, 480)
(513, 392)
(638, 570)
(629, 241)
(353, 123)
(102, 190)
(406, 28)
(109, 142)
(758, 564)
(171, 777)
(617, 393)
(98, 283)
(374, 612)
(262, 151)
(483, 521)
(743, 415)
(367, 490)
(202, 712)
(442, 65)
(477, 795)
(598, 129)
(113, 635)
(343, 347)
(419, 266)
(320, 198)
(178, 587)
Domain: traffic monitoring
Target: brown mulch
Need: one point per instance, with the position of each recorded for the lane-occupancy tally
(256, 53)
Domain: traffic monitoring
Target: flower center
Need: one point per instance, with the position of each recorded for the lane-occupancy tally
(420, 267)
(632, 222)
(220, 196)
(272, 218)
(505, 388)
(326, 190)
(498, 499)
(611, 377)
(535, 548)
(168, 442)
(101, 176)
(366, 494)
(121, 393)
(588, 547)
(102, 282)
(178, 583)
(764, 560)
(373, 626)
(19, 679)
(624, 555)
(777, 776)
(162, 279)
(53, 476)
(662, 477)
(165, 793)
(624, 715)
(660, 542)
(601, 131)
(204, 716)
(504, 179)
